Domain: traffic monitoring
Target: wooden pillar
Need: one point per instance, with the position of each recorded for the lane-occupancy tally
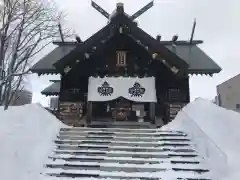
(89, 112)
(152, 112)
(187, 89)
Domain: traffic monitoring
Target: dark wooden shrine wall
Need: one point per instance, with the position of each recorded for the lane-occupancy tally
(74, 87)
(104, 59)
(170, 88)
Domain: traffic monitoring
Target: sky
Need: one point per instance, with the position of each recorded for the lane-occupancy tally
(218, 25)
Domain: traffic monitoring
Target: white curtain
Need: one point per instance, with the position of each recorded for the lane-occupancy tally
(131, 88)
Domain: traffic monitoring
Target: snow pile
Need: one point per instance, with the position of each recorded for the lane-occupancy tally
(26, 137)
(215, 131)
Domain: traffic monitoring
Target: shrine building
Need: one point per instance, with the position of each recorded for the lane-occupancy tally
(121, 73)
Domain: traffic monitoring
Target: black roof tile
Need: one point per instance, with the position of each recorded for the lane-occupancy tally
(198, 60)
(45, 65)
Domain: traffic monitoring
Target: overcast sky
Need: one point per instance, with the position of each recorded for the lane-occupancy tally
(218, 25)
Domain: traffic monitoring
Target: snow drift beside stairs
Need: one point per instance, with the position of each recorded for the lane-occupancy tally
(216, 133)
(26, 138)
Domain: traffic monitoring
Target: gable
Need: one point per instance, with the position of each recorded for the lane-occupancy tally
(130, 29)
(183, 56)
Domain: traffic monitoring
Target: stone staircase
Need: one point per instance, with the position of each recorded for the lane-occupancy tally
(120, 153)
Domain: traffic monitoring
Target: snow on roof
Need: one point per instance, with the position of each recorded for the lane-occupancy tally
(215, 131)
(26, 137)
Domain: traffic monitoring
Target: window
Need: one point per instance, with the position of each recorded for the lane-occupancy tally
(174, 94)
(121, 58)
(237, 106)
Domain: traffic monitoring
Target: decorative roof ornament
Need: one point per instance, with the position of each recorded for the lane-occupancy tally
(86, 55)
(67, 69)
(154, 55)
(174, 40)
(193, 31)
(120, 9)
(158, 38)
(100, 9)
(142, 10)
(78, 39)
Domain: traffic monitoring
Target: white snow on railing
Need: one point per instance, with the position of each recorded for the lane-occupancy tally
(26, 137)
(215, 133)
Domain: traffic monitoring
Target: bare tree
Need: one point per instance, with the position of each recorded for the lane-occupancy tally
(26, 27)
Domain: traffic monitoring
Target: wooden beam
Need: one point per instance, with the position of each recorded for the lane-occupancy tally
(89, 113)
(180, 42)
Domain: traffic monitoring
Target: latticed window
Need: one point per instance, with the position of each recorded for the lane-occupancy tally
(174, 94)
(121, 58)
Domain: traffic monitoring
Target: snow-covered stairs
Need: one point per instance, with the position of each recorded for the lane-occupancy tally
(119, 153)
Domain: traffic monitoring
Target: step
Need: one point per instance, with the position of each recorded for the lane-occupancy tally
(112, 153)
(169, 174)
(84, 177)
(161, 165)
(154, 137)
(151, 130)
(129, 146)
(126, 153)
(94, 137)
(121, 143)
(121, 148)
(107, 160)
(122, 133)
(83, 157)
(122, 124)
(121, 130)
(199, 171)
(102, 144)
(107, 167)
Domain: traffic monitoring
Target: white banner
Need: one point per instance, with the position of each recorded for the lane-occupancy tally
(131, 88)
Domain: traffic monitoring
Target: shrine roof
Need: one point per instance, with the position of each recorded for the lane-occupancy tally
(45, 65)
(198, 61)
(183, 55)
(53, 89)
(112, 29)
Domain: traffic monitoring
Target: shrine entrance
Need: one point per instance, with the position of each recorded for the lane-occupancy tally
(120, 109)
(121, 98)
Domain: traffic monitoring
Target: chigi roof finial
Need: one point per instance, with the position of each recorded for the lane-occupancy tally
(193, 30)
(120, 9)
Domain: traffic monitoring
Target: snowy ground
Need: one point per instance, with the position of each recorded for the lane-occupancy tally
(26, 137)
(215, 131)
(27, 134)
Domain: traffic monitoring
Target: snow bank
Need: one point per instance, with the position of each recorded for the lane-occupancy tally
(215, 131)
(26, 137)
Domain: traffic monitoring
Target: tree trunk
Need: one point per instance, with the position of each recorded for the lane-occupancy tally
(8, 93)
